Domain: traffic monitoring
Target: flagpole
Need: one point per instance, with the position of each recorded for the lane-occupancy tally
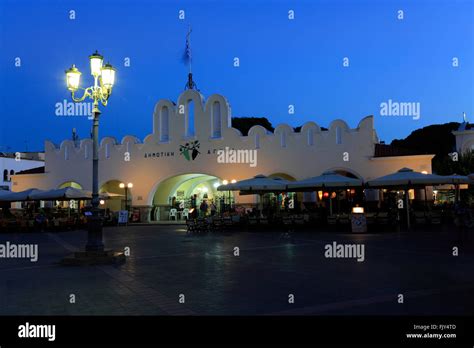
(190, 52)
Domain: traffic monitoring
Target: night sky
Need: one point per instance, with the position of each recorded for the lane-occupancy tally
(282, 61)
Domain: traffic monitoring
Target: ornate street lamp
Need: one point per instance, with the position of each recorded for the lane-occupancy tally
(104, 79)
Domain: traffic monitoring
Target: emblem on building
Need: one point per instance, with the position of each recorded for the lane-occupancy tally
(190, 150)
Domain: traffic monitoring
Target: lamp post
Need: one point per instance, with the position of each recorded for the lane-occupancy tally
(233, 181)
(104, 79)
(126, 187)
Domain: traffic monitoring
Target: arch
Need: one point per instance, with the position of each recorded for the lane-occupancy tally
(180, 189)
(283, 176)
(5, 175)
(12, 172)
(350, 173)
(117, 200)
(163, 189)
(164, 124)
(73, 184)
(216, 120)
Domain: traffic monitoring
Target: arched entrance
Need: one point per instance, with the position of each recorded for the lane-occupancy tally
(116, 200)
(185, 191)
(72, 184)
(281, 201)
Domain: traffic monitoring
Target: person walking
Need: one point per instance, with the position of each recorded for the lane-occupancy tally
(213, 209)
(203, 208)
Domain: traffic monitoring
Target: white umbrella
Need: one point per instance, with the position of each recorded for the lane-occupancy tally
(457, 180)
(20, 196)
(471, 177)
(4, 193)
(259, 183)
(328, 179)
(66, 193)
(407, 177)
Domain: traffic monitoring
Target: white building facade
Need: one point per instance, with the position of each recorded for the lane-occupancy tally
(464, 138)
(10, 164)
(178, 159)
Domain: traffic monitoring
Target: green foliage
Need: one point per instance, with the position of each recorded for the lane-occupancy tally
(445, 165)
(243, 124)
(435, 139)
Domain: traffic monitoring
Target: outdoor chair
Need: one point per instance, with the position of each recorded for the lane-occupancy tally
(370, 218)
(435, 218)
(382, 218)
(332, 220)
(253, 220)
(217, 224)
(185, 214)
(344, 219)
(202, 225)
(420, 218)
(228, 222)
(299, 220)
(190, 226)
(173, 214)
(23, 225)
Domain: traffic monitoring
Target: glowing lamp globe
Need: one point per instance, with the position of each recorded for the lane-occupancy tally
(96, 64)
(73, 77)
(108, 76)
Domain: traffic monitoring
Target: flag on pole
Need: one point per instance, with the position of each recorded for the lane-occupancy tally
(187, 57)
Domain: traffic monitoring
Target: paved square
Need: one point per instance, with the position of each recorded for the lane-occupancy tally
(165, 262)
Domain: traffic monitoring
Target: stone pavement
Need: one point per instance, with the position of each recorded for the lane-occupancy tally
(166, 263)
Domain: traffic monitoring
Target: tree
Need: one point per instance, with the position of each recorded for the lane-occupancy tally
(243, 124)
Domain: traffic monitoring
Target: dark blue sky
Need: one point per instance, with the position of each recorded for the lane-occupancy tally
(282, 61)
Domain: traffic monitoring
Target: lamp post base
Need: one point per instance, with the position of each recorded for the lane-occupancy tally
(92, 258)
(94, 234)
